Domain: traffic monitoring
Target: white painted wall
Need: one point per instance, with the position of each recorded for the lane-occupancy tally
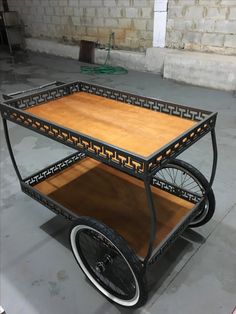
(160, 20)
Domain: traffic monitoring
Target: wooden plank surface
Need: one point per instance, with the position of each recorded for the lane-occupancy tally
(93, 189)
(128, 127)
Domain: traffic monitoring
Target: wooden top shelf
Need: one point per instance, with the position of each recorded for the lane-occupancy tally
(128, 127)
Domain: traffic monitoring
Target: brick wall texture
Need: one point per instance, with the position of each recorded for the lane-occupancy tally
(73, 20)
(202, 25)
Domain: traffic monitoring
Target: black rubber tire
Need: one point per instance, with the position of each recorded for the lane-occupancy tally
(204, 182)
(128, 255)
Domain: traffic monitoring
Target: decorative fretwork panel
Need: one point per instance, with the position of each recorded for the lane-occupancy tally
(141, 101)
(44, 96)
(53, 169)
(170, 188)
(56, 208)
(145, 102)
(179, 145)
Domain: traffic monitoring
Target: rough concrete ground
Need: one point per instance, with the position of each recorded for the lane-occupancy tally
(38, 271)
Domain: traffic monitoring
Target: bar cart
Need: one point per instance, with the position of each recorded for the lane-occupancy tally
(128, 196)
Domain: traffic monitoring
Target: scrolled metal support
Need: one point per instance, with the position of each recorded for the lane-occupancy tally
(215, 157)
(214, 163)
(5, 127)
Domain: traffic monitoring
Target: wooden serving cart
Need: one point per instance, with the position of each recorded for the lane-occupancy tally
(128, 196)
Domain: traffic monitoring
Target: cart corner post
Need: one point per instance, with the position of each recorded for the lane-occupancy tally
(153, 222)
(7, 137)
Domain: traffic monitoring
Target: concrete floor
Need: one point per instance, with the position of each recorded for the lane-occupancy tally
(38, 271)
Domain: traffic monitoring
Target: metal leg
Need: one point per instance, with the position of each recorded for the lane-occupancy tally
(10, 149)
(147, 183)
(153, 228)
(215, 157)
(214, 163)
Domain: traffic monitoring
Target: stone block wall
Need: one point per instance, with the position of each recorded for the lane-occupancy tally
(202, 25)
(73, 20)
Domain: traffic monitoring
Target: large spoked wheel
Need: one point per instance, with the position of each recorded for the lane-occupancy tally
(185, 176)
(108, 262)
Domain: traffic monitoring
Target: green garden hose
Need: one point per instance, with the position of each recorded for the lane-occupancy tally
(105, 68)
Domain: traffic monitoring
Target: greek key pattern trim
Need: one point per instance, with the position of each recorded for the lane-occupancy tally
(46, 202)
(132, 99)
(53, 169)
(165, 186)
(43, 96)
(145, 102)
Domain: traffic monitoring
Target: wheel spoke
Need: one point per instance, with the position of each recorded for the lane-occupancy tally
(169, 172)
(175, 175)
(161, 174)
(180, 178)
(186, 179)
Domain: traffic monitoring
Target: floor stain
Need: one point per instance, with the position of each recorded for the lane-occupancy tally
(62, 275)
(37, 283)
(54, 289)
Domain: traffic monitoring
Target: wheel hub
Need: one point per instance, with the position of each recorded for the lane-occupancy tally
(104, 263)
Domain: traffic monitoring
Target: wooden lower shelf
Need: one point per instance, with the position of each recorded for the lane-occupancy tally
(93, 189)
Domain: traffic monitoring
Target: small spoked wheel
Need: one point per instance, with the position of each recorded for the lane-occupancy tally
(108, 262)
(184, 176)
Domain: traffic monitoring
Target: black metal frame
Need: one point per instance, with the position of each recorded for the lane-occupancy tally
(135, 165)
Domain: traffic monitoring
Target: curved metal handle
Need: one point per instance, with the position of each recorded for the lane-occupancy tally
(11, 95)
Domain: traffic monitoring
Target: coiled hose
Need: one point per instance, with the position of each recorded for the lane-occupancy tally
(105, 68)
